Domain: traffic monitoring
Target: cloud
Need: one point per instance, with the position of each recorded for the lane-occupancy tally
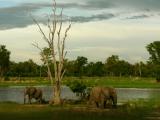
(18, 15)
(103, 16)
(138, 17)
(99, 4)
(140, 4)
(128, 4)
(95, 40)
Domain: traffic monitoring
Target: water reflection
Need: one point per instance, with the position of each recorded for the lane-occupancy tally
(16, 94)
(127, 94)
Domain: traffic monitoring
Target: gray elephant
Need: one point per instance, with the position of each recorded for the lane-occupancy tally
(32, 92)
(101, 95)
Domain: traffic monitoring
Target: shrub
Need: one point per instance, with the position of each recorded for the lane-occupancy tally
(77, 86)
(6, 78)
(158, 78)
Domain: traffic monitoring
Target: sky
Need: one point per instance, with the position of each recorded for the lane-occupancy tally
(100, 28)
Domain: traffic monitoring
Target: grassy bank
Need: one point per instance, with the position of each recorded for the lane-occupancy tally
(118, 82)
(130, 111)
(122, 82)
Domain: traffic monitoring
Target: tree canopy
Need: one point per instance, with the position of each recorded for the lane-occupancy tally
(154, 51)
(4, 60)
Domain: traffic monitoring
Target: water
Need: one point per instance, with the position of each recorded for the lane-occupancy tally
(16, 94)
(128, 94)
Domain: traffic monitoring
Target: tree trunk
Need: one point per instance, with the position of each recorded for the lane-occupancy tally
(57, 50)
(57, 93)
(49, 74)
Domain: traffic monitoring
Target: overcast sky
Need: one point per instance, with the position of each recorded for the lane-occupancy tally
(100, 28)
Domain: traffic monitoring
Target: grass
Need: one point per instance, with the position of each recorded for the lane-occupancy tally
(118, 82)
(123, 82)
(130, 111)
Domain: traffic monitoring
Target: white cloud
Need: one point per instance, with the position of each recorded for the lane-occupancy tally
(95, 40)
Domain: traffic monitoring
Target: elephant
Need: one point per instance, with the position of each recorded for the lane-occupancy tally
(101, 95)
(33, 92)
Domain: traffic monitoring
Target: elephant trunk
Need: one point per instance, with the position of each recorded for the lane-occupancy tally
(114, 100)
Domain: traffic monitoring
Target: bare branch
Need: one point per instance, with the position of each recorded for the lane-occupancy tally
(65, 36)
(54, 26)
(65, 55)
(54, 5)
(54, 22)
(42, 32)
(37, 46)
(63, 74)
(59, 37)
(60, 27)
(50, 29)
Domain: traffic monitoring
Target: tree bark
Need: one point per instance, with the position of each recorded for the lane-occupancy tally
(57, 50)
(57, 93)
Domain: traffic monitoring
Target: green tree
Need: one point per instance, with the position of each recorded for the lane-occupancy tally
(77, 86)
(80, 64)
(123, 68)
(154, 51)
(4, 60)
(139, 69)
(95, 69)
(116, 67)
(70, 67)
(90, 71)
(46, 56)
(110, 65)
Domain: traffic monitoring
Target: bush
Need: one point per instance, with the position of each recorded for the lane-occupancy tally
(77, 86)
(6, 78)
(158, 78)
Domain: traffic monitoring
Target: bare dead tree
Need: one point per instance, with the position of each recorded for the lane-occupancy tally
(46, 60)
(56, 42)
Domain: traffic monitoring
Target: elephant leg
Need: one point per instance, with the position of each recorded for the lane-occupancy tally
(114, 101)
(40, 100)
(24, 99)
(29, 99)
(104, 104)
(97, 104)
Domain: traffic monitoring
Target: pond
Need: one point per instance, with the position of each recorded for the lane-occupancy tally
(16, 94)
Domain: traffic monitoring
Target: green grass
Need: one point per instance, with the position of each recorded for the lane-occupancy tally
(118, 82)
(13, 111)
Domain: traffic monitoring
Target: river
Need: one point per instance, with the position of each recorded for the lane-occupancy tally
(16, 94)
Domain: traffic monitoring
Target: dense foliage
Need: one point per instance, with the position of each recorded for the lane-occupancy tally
(113, 66)
(4, 60)
(154, 51)
(77, 86)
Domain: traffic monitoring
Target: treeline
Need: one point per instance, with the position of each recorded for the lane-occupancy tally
(113, 66)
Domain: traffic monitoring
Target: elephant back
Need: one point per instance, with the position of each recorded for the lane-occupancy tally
(109, 91)
(30, 91)
(95, 94)
(38, 94)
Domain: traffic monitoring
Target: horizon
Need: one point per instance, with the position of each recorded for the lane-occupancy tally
(100, 28)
